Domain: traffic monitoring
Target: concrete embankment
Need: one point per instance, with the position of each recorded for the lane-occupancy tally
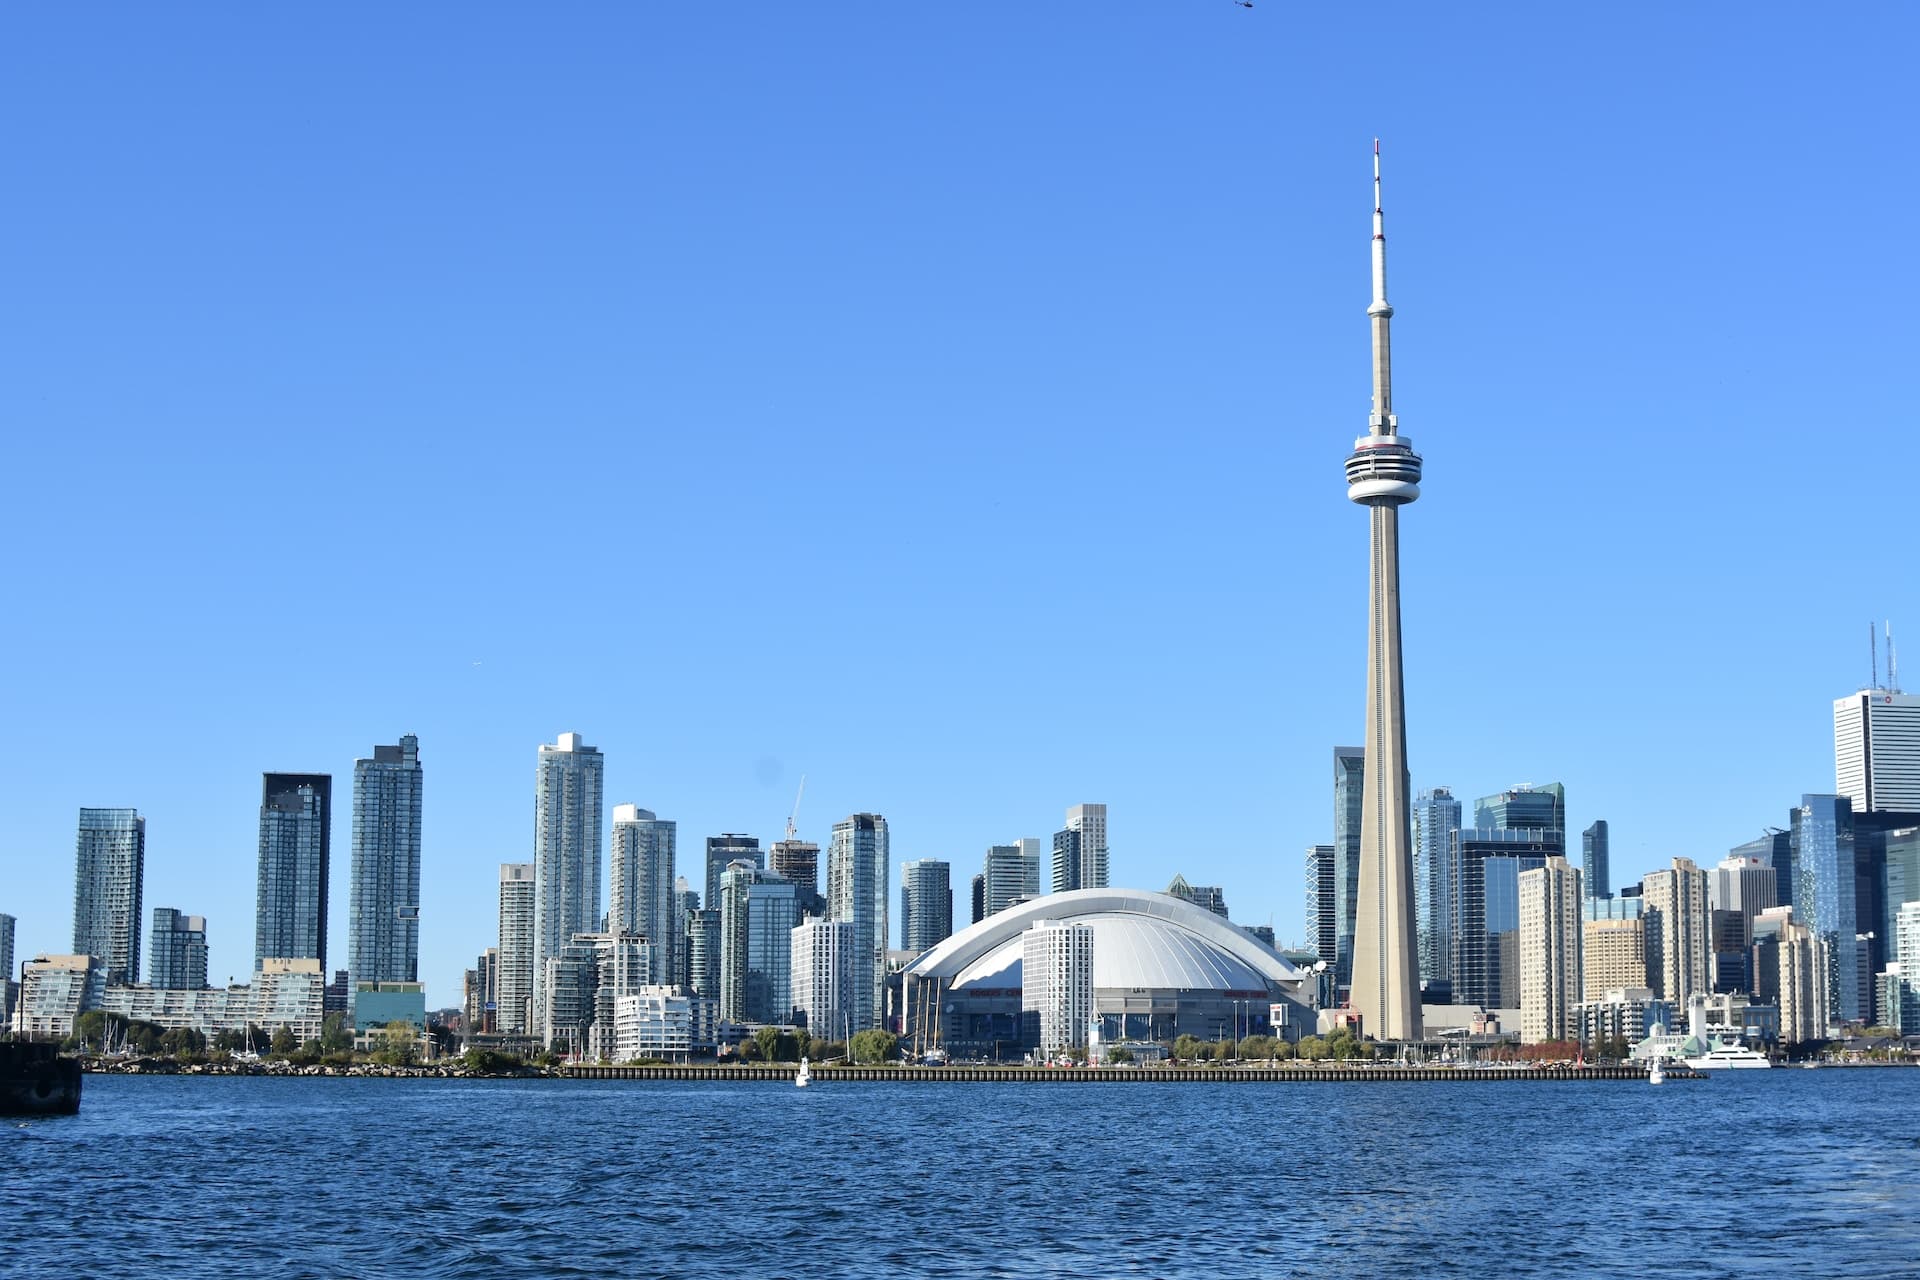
(784, 1072)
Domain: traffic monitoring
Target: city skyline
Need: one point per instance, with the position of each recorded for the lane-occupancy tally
(823, 330)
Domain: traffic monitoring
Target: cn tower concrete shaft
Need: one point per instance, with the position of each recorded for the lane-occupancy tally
(1383, 474)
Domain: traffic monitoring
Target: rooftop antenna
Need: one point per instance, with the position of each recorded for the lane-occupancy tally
(1893, 663)
(1873, 655)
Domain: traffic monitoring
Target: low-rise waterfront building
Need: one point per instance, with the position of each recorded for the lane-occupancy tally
(55, 990)
(653, 1022)
(1629, 1013)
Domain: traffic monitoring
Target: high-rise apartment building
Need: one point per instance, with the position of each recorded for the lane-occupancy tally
(1056, 989)
(1551, 982)
(926, 904)
(177, 952)
(686, 900)
(1012, 875)
(1876, 750)
(1080, 851)
(6, 970)
(1349, 788)
(109, 866)
(296, 855)
(1323, 913)
(798, 863)
(1678, 948)
(1436, 816)
(1905, 1006)
(1594, 867)
(1805, 978)
(1208, 896)
(703, 953)
(567, 809)
(857, 880)
(722, 852)
(482, 994)
(1825, 894)
(822, 974)
(514, 982)
(383, 906)
(758, 912)
(979, 897)
(642, 887)
(1613, 945)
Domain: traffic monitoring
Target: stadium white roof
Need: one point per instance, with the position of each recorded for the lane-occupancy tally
(1140, 940)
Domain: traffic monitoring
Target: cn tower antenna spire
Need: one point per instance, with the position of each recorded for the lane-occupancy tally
(1381, 314)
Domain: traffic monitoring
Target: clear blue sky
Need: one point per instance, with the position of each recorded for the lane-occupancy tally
(944, 401)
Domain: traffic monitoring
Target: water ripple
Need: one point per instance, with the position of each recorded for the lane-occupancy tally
(1806, 1172)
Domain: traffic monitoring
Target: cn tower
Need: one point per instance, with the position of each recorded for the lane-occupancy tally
(1383, 474)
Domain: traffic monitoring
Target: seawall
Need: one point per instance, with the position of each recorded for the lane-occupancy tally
(784, 1073)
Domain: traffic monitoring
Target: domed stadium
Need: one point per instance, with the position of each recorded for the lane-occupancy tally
(1162, 968)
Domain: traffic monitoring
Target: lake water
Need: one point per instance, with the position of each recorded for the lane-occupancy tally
(1752, 1173)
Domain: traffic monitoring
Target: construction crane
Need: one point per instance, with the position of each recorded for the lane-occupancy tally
(796, 806)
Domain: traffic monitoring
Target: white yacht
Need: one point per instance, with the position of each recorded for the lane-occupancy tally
(1723, 1055)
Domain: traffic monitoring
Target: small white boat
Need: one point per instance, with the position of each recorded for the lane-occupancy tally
(803, 1077)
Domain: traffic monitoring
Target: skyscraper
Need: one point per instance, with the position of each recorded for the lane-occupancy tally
(798, 863)
(1436, 816)
(1080, 851)
(1526, 808)
(1678, 950)
(1056, 988)
(979, 897)
(823, 977)
(1876, 750)
(722, 852)
(6, 969)
(686, 901)
(514, 979)
(1209, 896)
(1825, 894)
(1804, 969)
(1483, 934)
(566, 852)
(758, 912)
(1551, 981)
(1593, 861)
(857, 866)
(109, 866)
(643, 893)
(1349, 794)
(1905, 1010)
(926, 904)
(703, 952)
(1323, 919)
(1012, 875)
(383, 908)
(296, 854)
(177, 952)
(1613, 948)
(1383, 474)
